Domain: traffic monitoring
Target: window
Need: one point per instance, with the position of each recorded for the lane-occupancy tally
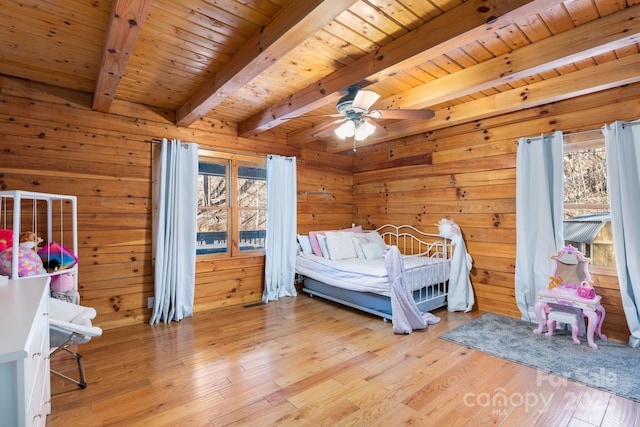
(587, 221)
(232, 204)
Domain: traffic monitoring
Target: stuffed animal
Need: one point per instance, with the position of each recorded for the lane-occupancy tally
(59, 282)
(54, 251)
(555, 281)
(449, 229)
(29, 263)
(6, 239)
(51, 266)
(63, 282)
(29, 239)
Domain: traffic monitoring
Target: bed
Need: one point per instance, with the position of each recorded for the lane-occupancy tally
(362, 282)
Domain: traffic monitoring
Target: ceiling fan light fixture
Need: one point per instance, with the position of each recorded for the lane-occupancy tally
(363, 130)
(346, 130)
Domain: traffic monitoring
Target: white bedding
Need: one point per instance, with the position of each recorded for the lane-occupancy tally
(370, 275)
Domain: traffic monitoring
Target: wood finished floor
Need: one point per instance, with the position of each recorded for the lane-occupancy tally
(308, 362)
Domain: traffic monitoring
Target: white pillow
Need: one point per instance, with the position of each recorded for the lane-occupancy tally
(371, 236)
(340, 245)
(305, 244)
(374, 236)
(357, 245)
(322, 242)
(372, 250)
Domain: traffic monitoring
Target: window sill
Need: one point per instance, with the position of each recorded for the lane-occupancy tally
(227, 256)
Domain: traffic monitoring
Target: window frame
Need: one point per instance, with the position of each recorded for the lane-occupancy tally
(234, 161)
(583, 141)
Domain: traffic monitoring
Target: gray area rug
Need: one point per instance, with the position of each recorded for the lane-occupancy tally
(613, 367)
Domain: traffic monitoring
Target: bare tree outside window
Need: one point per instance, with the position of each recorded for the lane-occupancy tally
(232, 200)
(587, 221)
(585, 182)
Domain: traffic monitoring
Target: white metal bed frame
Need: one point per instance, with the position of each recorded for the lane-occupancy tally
(412, 242)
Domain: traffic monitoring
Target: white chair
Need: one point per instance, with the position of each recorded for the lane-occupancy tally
(70, 324)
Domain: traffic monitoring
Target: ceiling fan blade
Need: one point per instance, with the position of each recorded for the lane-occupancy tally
(327, 126)
(406, 114)
(364, 100)
(380, 130)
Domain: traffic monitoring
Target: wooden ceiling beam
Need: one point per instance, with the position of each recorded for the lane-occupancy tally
(608, 75)
(464, 24)
(597, 37)
(603, 35)
(294, 23)
(125, 25)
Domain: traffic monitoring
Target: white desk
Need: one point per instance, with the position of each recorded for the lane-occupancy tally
(25, 395)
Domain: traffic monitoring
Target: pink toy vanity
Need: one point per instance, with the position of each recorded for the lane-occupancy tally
(570, 298)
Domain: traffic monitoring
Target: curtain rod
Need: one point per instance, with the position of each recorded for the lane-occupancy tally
(158, 141)
(564, 134)
(637, 122)
(288, 158)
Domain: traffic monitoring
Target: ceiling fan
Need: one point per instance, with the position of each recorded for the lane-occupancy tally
(358, 120)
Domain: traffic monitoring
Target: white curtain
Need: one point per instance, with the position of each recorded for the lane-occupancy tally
(280, 243)
(622, 142)
(174, 247)
(539, 226)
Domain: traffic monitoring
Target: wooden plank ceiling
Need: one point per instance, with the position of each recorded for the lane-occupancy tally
(256, 63)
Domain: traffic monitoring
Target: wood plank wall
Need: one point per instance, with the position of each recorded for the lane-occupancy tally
(325, 201)
(51, 141)
(467, 173)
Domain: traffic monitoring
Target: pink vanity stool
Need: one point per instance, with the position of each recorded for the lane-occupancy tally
(570, 298)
